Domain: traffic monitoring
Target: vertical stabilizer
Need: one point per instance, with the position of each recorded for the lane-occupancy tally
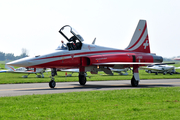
(140, 40)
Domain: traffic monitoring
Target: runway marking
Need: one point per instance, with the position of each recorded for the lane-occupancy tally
(84, 86)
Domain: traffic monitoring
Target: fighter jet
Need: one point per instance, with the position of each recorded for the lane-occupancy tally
(91, 57)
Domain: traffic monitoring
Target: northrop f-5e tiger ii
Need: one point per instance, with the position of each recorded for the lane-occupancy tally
(94, 58)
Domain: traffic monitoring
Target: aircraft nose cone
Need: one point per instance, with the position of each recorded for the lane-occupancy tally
(16, 63)
(10, 63)
(20, 63)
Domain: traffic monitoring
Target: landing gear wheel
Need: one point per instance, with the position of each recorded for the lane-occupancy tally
(164, 73)
(82, 79)
(52, 83)
(134, 82)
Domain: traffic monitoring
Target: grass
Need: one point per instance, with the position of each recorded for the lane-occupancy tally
(2, 65)
(147, 103)
(2, 62)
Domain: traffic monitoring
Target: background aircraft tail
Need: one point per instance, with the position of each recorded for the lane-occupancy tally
(11, 68)
(140, 40)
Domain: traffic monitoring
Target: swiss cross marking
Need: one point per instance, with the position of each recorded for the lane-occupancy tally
(146, 44)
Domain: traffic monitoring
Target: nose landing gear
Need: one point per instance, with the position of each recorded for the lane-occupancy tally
(52, 83)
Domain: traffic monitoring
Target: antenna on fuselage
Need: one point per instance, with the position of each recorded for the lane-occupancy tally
(94, 41)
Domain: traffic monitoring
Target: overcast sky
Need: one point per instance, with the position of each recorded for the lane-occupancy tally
(34, 24)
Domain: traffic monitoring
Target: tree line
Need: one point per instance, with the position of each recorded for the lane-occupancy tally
(10, 56)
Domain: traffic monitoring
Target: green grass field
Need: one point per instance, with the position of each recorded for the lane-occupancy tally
(2, 64)
(145, 104)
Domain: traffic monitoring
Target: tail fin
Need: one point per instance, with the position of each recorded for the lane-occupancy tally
(140, 40)
(11, 68)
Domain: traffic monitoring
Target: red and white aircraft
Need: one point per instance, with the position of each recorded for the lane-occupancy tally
(11, 69)
(176, 58)
(90, 57)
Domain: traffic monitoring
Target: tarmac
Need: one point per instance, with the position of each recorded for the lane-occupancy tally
(64, 87)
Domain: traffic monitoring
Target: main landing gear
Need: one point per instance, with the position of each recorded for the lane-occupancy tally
(52, 83)
(135, 78)
(82, 78)
(134, 82)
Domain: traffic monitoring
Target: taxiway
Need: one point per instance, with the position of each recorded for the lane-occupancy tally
(62, 87)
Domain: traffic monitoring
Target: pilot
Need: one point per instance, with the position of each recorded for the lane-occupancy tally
(62, 46)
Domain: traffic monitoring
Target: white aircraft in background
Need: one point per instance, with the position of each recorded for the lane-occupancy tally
(160, 68)
(11, 69)
(119, 71)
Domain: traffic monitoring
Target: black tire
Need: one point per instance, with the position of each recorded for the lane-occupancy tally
(52, 84)
(82, 79)
(156, 73)
(134, 83)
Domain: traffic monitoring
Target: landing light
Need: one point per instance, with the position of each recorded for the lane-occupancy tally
(98, 67)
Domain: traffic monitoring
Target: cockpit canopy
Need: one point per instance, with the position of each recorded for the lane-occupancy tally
(74, 38)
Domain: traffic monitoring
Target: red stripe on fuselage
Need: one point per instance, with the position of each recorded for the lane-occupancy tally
(84, 53)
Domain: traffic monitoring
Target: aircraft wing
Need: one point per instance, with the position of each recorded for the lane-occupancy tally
(2, 71)
(7, 71)
(177, 67)
(124, 63)
(155, 69)
(119, 70)
(28, 72)
(146, 68)
(11, 71)
(70, 70)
